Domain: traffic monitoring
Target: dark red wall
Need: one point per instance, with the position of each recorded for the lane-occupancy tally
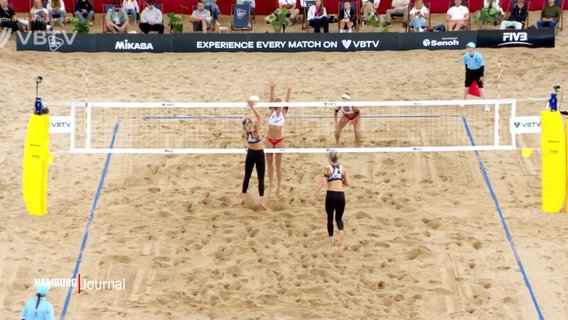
(264, 7)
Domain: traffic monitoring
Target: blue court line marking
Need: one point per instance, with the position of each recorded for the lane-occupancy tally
(503, 222)
(91, 215)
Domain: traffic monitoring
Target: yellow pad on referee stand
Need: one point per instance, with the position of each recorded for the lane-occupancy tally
(36, 159)
(553, 146)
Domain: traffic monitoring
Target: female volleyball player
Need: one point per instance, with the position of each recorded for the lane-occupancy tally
(255, 152)
(349, 114)
(336, 178)
(275, 138)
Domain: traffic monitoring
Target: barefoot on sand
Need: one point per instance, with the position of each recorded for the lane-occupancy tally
(341, 238)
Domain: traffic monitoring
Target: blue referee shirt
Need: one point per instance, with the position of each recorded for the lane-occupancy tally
(44, 310)
(473, 62)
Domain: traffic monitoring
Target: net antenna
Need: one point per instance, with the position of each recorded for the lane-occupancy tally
(38, 80)
(557, 89)
(215, 128)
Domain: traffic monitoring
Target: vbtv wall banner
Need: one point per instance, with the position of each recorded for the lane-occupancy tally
(277, 42)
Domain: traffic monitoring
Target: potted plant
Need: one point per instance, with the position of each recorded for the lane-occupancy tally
(176, 20)
(486, 15)
(375, 22)
(278, 19)
(78, 26)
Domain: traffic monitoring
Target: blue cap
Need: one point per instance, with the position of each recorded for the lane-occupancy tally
(42, 288)
(470, 44)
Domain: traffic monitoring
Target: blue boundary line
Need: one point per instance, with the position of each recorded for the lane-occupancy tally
(503, 222)
(86, 235)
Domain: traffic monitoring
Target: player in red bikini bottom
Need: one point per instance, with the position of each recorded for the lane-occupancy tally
(275, 139)
(350, 114)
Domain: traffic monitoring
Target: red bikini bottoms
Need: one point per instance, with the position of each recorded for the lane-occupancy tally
(274, 141)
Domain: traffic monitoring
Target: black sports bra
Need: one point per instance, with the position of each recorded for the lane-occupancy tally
(335, 173)
(251, 139)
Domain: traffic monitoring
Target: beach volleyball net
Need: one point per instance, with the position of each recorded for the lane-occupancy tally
(206, 128)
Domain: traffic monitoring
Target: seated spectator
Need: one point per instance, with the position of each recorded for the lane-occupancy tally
(57, 11)
(131, 7)
(317, 17)
(201, 18)
(84, 11)
(212, 6)
(293, 12)
(39, 12)
(419, 15)
(399, 7)
(347, 18)
(8, 17)
(491, 9)
(151, 19)
(457, 16)
(369, 7)
(518, 16)
(549, 16)
(116, 19)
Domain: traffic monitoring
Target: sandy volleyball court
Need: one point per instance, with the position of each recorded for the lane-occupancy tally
(427, 236)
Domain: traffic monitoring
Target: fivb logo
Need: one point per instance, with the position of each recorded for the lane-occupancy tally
(54, 39)
(515, 38)
(241, 13)
(5, 36)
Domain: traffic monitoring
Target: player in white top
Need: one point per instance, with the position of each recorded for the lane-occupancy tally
(275, 139)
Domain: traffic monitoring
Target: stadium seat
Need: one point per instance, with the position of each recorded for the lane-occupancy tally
(106, 7)
(241, 17)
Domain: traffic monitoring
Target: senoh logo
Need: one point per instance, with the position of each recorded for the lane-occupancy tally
(516, 38)
(440, 43)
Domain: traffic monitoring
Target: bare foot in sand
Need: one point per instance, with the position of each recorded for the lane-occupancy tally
(261, 204)
(243, 198)
(331, 241)
(341, 238)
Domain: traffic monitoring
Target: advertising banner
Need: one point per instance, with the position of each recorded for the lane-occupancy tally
(291, 42)
(278, 42)
(133, 42)
(436, 40)
(530, 38)
(55, 41)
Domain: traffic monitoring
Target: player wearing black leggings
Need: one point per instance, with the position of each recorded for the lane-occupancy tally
(336, 178)
(255, 152)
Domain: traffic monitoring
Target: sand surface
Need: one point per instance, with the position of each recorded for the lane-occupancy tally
(427, 236)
